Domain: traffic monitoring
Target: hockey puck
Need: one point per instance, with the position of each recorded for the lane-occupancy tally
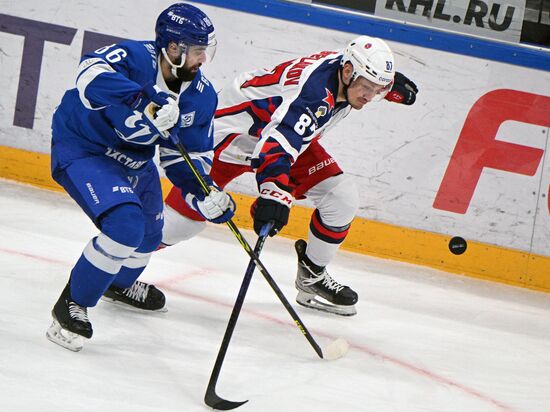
(457, 245)
(336, 349)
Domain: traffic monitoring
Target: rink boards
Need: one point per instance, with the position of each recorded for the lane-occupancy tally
(481, 260)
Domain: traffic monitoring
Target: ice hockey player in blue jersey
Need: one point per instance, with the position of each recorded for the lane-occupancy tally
(128, 98)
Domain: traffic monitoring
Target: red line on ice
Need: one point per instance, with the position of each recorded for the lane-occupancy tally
(403, 364)
(35, 257)
(169, 285)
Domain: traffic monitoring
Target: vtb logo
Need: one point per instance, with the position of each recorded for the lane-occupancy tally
(477, 147)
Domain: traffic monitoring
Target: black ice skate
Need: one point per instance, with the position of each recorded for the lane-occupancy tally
(140, 296)
(70, 323)
(314, 281)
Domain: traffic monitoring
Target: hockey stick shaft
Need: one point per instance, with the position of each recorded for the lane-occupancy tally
(235, 230)
(210, 397)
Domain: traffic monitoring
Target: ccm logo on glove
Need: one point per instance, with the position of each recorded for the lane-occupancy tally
(271, 191)
(273, 205)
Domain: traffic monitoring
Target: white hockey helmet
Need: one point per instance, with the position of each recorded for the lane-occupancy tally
(371, 58)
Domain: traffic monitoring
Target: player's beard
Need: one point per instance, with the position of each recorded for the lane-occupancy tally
(187, 74)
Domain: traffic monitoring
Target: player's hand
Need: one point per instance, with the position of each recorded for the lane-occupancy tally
(160, 108)
(166, 117)
(273, 204)
(403, 90)
(217, 207)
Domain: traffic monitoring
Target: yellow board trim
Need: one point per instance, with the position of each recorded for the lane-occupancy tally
(482, 261)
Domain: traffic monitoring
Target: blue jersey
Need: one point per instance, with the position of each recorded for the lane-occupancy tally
(197, 103)
(96, 117)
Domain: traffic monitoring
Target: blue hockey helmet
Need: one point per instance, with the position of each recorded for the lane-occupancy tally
(183, 22)
(187, 26)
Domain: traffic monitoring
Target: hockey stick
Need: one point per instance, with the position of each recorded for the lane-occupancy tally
(338, 347)
(210, 397)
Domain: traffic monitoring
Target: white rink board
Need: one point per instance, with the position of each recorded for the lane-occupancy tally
(398, 154)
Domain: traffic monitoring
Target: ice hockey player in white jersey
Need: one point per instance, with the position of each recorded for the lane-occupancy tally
(128, 98)
(269, 122)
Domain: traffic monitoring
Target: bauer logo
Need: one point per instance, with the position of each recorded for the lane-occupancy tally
(92, 193)
(495, 19)
(320, 166)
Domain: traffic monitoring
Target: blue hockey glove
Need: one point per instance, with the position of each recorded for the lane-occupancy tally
(403, 90)
(273, 204)
(217, 207)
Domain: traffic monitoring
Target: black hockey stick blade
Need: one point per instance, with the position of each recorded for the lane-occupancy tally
(219, 404)
(210, 397)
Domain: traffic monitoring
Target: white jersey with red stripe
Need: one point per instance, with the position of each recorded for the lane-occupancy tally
(268, 117)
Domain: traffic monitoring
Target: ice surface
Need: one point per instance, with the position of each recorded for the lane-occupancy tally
(422, 340)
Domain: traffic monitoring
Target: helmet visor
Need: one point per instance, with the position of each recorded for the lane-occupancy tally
(373, 91)
(198, 52)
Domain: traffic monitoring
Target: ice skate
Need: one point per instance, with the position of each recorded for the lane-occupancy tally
(317, 290)
(140, 296)
(70, 326)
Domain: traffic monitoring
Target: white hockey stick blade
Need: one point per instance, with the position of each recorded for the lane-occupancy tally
(336, 349)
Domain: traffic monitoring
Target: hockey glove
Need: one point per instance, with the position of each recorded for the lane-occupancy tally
(273, 204)
(217, 207)
(160, 108)
(403, 90)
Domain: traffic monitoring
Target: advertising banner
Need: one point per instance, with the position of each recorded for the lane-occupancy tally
(498, 19)
(525, 21)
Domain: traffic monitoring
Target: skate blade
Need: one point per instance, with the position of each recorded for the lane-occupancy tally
(312, 301)
(132, 308)
(69, 340)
